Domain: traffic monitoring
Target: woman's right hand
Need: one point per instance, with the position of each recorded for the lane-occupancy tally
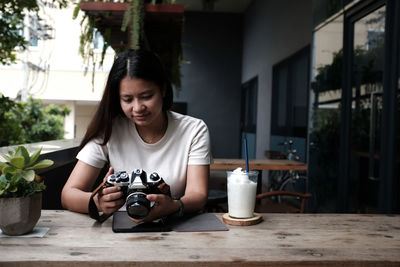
(110, 199)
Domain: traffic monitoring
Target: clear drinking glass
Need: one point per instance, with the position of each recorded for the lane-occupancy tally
(242, 188)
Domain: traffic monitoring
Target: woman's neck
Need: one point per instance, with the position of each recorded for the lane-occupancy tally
(153, 133)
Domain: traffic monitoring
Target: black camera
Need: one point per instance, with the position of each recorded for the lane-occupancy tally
(136, 187)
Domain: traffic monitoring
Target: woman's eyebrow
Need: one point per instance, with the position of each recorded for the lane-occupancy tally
(147, 91)
(125, 95)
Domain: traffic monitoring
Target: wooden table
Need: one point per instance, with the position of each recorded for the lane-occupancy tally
(281, 239)
(258, 165)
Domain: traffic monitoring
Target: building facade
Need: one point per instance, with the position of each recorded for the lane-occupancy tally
(52, 69)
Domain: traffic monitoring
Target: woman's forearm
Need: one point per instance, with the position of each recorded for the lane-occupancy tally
(76, 192)
(76, 200)
(194, 201)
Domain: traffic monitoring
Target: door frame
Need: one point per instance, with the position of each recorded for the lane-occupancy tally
(388, 202)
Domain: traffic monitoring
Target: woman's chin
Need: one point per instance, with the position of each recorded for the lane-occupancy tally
(141, 122)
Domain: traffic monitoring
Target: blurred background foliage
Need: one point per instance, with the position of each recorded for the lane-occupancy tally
(12, 14)
(30, 122)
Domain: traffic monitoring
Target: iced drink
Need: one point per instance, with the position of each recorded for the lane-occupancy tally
(242, 187)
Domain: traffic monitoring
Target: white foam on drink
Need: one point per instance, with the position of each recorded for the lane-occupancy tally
(241, 194)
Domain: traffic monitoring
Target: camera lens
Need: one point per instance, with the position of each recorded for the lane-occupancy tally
(137, 205)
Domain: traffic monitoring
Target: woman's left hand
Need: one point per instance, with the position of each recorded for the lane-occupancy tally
(163, 206)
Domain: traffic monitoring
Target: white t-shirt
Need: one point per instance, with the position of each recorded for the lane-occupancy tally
(185, 142)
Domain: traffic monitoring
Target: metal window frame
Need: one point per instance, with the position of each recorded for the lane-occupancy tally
(388, 201)
(389, 187)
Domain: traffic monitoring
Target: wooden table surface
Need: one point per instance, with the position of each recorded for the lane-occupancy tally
(281, 239)
(258, 164)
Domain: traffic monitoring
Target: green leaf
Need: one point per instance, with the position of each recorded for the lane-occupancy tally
(3, 179)
(76, 10)
(9, 169)
(2, 165)
(18, 162)
(21, 151)
(41, 164)
(29, 175)
(16, 178)
(12, 189)
(7, 186)
(35, 156)
(40, 187)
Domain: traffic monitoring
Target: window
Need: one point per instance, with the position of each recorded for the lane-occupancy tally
(324, 134)
(33, 31)
(98, 40)
(290, 95)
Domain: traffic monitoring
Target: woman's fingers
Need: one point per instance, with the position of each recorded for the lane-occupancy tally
(111, 189)
(159, 198)
(110, 171)
(111, 206)
(111, 198)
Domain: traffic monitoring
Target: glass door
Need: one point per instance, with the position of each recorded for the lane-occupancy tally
(354, 135)
(367, 67)
(325, 120)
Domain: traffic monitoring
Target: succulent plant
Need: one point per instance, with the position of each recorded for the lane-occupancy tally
(18, 177)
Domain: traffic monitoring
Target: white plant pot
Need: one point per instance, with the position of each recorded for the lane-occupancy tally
(19, 216)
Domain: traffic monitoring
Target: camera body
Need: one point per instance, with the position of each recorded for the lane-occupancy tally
(136, 187)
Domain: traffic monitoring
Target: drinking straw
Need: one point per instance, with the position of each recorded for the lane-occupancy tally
(246, 155)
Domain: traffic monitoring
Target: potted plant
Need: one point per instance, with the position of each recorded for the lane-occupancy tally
(21, 190)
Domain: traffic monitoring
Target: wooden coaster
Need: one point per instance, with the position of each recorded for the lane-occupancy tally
(242, 222)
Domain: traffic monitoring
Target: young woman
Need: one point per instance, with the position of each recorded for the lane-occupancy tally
(133, 128)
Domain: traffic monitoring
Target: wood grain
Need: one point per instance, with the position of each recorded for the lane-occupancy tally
(220, 164)
(280, 239)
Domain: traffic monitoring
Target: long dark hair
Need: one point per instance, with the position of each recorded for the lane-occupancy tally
(141, 64)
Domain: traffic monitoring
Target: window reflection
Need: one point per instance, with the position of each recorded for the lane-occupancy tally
(367, 91)
(326, 95)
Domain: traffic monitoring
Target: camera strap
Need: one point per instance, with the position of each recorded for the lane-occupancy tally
(93, 211)
(164, 188)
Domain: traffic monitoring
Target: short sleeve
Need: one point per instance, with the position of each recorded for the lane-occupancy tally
(94, 154)
(200, 149)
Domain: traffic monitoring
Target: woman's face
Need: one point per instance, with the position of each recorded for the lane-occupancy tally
(141, 101)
